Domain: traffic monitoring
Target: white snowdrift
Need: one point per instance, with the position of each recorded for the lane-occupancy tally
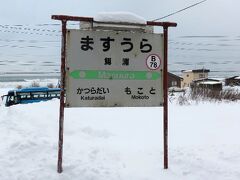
(120, 143)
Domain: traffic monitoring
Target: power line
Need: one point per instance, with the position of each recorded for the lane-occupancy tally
(180, 10)
(29, 33)
(28, 41)
(40, 25)
(29, 29)
(28, 46)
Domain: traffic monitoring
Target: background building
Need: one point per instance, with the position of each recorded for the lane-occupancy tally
(191, 75)
(233, 81)
(174, 80)
(207, 84)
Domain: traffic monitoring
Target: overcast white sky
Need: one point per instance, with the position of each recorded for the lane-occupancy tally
(213, 17)
(21, 48)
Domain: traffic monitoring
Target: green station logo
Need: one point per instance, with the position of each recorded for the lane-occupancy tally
(114, 75)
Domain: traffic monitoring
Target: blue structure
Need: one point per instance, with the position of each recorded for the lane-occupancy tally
(30, 95)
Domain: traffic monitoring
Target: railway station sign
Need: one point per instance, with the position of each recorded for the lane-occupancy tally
(113, 67)
(107, 68)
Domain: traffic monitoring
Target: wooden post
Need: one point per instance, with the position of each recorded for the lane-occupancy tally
(61, 111)
(165, 98)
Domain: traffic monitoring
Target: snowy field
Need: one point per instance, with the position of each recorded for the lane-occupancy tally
(120, 143)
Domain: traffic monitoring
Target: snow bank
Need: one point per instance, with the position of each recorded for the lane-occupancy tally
(119, 17)
(120, 143)
(28, 83)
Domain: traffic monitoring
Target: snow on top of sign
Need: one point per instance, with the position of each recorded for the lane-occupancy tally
(119, 17)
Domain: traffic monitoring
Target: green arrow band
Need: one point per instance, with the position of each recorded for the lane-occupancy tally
(115, 75)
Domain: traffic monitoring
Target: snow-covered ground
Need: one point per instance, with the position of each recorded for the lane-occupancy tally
(120, 143)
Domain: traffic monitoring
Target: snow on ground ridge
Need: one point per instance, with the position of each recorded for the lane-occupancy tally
(120, 143)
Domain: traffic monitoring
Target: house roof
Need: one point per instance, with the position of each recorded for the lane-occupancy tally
(196, 71)
(210, 82)
(206, 80)
(234, 77)
(171, 74)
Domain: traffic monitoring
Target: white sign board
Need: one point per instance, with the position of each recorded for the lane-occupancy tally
(114, 68)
